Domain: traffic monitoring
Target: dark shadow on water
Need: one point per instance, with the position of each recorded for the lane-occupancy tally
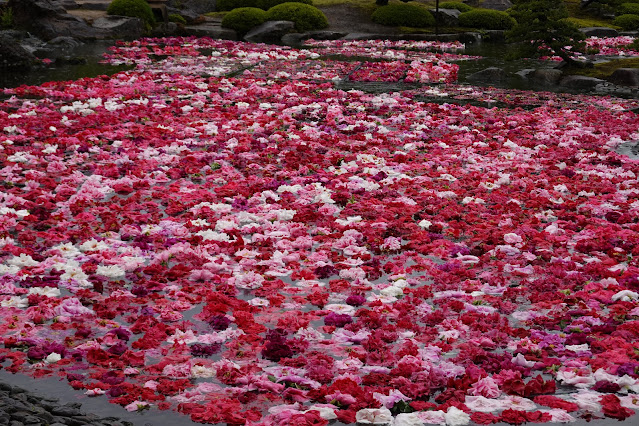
(81, 62)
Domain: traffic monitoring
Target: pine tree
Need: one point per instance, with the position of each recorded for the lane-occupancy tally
(542, 31)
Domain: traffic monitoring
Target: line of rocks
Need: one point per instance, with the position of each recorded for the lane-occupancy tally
(19, 407)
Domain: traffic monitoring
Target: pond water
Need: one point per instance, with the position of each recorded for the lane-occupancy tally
(83, 61)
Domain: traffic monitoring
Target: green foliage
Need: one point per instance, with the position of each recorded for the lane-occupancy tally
(462, 7)
(133, 8)
(628, 22)
(628, 9)
(244, 19)
(486, 19)
(305, 16)
(6, 18)
(406, 15)
(542, 30)
(260, 4)
(236, 4)
(267, 4)
(177, 18)
(592, 22)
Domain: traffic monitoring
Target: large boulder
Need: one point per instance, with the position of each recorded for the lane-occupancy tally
(12, 54)
(198, 7)
(546, 76)
(625, 77)
(120, 26)
(599, 32)
(580, 82)
(497, 4)
(447, 17)
(269, 31)
(49, 20)
(488, 75)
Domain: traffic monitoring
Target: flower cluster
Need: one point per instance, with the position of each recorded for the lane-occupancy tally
(274, 251)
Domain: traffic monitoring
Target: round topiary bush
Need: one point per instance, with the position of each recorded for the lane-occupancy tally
(223, 5)
(486, 19)
(243, 19)
(133, 8)
(267, 4)
(306, 17)
(628, 9)
(462, 7)
(405, 15)
(628, 22)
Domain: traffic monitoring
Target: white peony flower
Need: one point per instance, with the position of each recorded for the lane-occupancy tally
(374, 416)
(456, 417)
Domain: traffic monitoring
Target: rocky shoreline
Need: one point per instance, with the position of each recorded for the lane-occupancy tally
(19, 407)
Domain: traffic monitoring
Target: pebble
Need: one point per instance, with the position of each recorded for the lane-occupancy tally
(19, 407)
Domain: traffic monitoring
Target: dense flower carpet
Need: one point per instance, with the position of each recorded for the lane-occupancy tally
(224, 232)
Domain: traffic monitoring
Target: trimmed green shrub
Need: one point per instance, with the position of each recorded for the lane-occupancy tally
(627, 22)
(462, 7)
(305, 16)
(243, 19)
(628, 9)
(177, 18)
(133, 8)
(223, 5)
(486, 19)
(404, 15)
(267, 4)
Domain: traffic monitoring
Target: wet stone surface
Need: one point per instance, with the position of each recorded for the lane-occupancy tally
(19, 407)
(630, 149)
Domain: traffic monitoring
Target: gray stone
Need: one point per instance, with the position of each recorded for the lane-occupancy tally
(488, 75)
(199, 7)
(497, 4)
(447, 17)
(210, 30)
(49, 20)
(525, 73)
(599, 32)
(120, 26)
(13, 55)
(67, 410)
(190, 16)
(580, 82)
(546, 76)
(625, 77)
(165, 29)
(65, 42)
(269, 31)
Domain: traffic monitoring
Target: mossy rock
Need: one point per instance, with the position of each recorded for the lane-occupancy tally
(134, 9)
(305, 16)
(244, 19)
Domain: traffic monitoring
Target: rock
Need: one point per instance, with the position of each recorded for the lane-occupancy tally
(13, 55)
(190, 16)
(546, 76)
(198, 7)
(120, 26)
(67, 4)
(447, 17)
(599, 32)
(580, 82)
(65, 42)
(497, 4)
(67, 410)
(210, 30)
(525, 73)
(165, 29)
(488, 75)
(49, 20)
(269, 31)
(625, 77)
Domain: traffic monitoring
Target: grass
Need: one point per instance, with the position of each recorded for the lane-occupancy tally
(592, 22)
(605, 69)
